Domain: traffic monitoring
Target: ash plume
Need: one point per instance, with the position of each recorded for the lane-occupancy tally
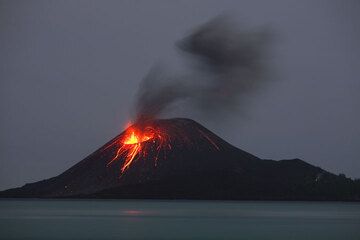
(225, 65)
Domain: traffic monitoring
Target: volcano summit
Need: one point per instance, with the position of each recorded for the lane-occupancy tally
(180, 159)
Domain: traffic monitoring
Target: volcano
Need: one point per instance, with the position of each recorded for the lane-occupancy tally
(181, 159)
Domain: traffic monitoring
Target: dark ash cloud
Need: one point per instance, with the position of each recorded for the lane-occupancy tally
(224, 65)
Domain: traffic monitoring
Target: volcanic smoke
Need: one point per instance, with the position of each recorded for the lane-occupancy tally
(224, 65)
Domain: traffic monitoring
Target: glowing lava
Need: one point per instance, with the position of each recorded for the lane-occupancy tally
(132, 145)
(136, 143)
(139, 141)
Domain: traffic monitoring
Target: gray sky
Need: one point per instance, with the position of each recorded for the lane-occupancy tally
(69, 71)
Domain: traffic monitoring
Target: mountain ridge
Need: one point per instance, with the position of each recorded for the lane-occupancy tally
(197, 165)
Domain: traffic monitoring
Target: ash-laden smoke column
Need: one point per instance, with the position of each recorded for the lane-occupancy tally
(225, 65)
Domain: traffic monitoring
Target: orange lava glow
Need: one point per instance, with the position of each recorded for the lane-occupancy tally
(135, 143)
(139, 142)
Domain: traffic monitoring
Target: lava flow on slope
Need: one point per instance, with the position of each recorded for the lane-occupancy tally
(141, 139)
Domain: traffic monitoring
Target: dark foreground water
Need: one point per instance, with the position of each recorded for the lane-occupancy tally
(120, 219)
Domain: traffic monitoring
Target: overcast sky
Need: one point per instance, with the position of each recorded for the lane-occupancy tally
(69, 71)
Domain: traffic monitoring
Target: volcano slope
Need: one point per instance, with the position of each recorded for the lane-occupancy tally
(189, 162)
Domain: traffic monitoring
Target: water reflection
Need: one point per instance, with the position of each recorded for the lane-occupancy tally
(40, 219)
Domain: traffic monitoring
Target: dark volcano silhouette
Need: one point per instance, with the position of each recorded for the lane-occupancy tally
(199, 165)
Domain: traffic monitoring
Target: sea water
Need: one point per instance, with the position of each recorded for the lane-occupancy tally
(152, 219)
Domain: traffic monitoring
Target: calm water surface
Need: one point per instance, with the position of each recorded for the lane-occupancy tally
(131, 219)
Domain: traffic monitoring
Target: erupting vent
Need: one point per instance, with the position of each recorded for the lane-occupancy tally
(138, 141)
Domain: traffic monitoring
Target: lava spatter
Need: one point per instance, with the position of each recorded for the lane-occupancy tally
(138, 141)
